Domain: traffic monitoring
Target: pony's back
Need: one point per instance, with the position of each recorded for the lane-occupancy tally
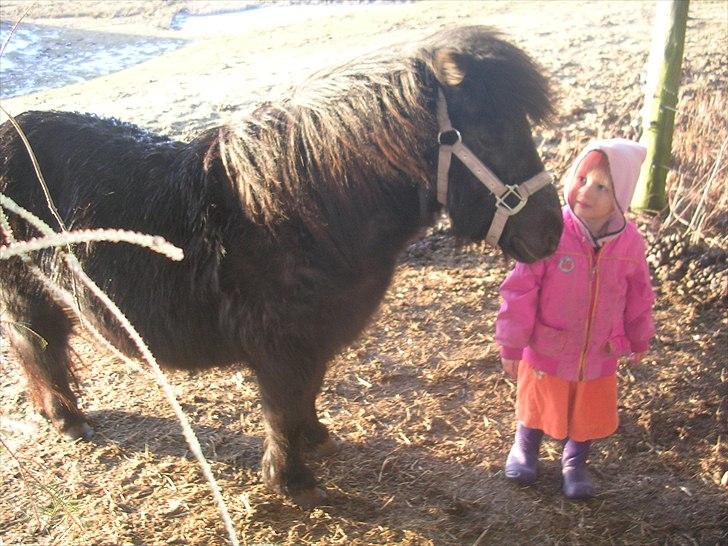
(87, 163)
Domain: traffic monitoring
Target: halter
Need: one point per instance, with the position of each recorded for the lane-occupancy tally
(509, 200)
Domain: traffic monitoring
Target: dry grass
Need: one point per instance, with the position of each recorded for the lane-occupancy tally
(423, 412)
(698, 186)
(426, 419)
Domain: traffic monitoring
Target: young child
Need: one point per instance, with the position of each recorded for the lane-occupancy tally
(566, 320)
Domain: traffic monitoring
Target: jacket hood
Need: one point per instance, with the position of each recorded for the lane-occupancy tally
(625, 159)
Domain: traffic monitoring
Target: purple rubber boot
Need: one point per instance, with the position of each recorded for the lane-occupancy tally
(522, 462)
(577, 483)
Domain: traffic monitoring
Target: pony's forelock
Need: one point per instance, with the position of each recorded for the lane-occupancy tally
(511, 82)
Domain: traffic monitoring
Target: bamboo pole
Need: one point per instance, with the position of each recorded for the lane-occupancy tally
(661, 94)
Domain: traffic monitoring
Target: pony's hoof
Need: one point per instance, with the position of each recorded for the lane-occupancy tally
(325, 449)
(309, 498)
(78, 431)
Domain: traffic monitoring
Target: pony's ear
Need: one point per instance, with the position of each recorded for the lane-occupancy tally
(449, 67)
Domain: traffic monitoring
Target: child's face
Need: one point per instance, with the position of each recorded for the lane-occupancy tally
(592, 196)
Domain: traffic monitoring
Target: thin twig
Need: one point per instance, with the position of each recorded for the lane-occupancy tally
(39, 174)
(44, 186)
(65, 299)
(15, 26)
(189, 434)
(161, 379)
(153, 243)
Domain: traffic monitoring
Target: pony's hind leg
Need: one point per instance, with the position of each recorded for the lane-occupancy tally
(39, 330)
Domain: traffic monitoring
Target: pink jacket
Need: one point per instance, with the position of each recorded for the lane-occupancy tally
(575, 313)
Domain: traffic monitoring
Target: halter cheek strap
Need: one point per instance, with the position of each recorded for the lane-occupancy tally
(509, 199)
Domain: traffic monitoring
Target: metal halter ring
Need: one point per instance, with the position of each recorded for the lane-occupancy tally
(511, 191)
(448, 141)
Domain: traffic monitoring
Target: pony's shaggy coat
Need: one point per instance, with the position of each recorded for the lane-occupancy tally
(291, 222)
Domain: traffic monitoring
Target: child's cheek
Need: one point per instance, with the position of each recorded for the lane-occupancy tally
(571, 198)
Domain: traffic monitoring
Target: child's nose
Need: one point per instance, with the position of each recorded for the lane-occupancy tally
(589, 189)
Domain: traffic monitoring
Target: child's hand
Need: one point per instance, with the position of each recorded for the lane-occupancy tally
(635, 358)
(510, 367)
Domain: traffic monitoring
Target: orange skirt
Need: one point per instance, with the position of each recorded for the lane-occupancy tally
(580, 410)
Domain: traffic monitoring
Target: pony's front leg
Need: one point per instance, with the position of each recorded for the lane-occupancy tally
(317, 439)
(285, 397)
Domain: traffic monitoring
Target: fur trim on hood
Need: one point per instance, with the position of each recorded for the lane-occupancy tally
(625, 160)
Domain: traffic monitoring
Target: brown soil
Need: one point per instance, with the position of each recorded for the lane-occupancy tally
(423, 412)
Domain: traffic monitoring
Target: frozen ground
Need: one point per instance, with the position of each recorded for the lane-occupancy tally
(240, 57)
(40, 57)
(44, 57)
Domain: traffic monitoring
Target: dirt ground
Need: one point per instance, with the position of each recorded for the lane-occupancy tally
(424, 415)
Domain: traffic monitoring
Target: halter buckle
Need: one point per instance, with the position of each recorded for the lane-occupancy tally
(506, 200)
(449, 137)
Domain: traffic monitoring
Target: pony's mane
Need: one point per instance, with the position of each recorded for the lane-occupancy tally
(339, 130)
(359, 124)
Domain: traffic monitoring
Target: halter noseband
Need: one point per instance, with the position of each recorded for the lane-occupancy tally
(509, 200)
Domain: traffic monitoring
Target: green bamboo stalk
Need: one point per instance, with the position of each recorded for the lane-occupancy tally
(661, 95)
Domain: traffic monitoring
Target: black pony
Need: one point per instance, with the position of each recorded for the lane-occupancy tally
(290, 222)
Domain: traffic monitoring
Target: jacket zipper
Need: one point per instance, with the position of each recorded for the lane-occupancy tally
(593, 292)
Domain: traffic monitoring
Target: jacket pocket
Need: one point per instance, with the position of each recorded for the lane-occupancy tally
(617, 345)
(547, 340)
